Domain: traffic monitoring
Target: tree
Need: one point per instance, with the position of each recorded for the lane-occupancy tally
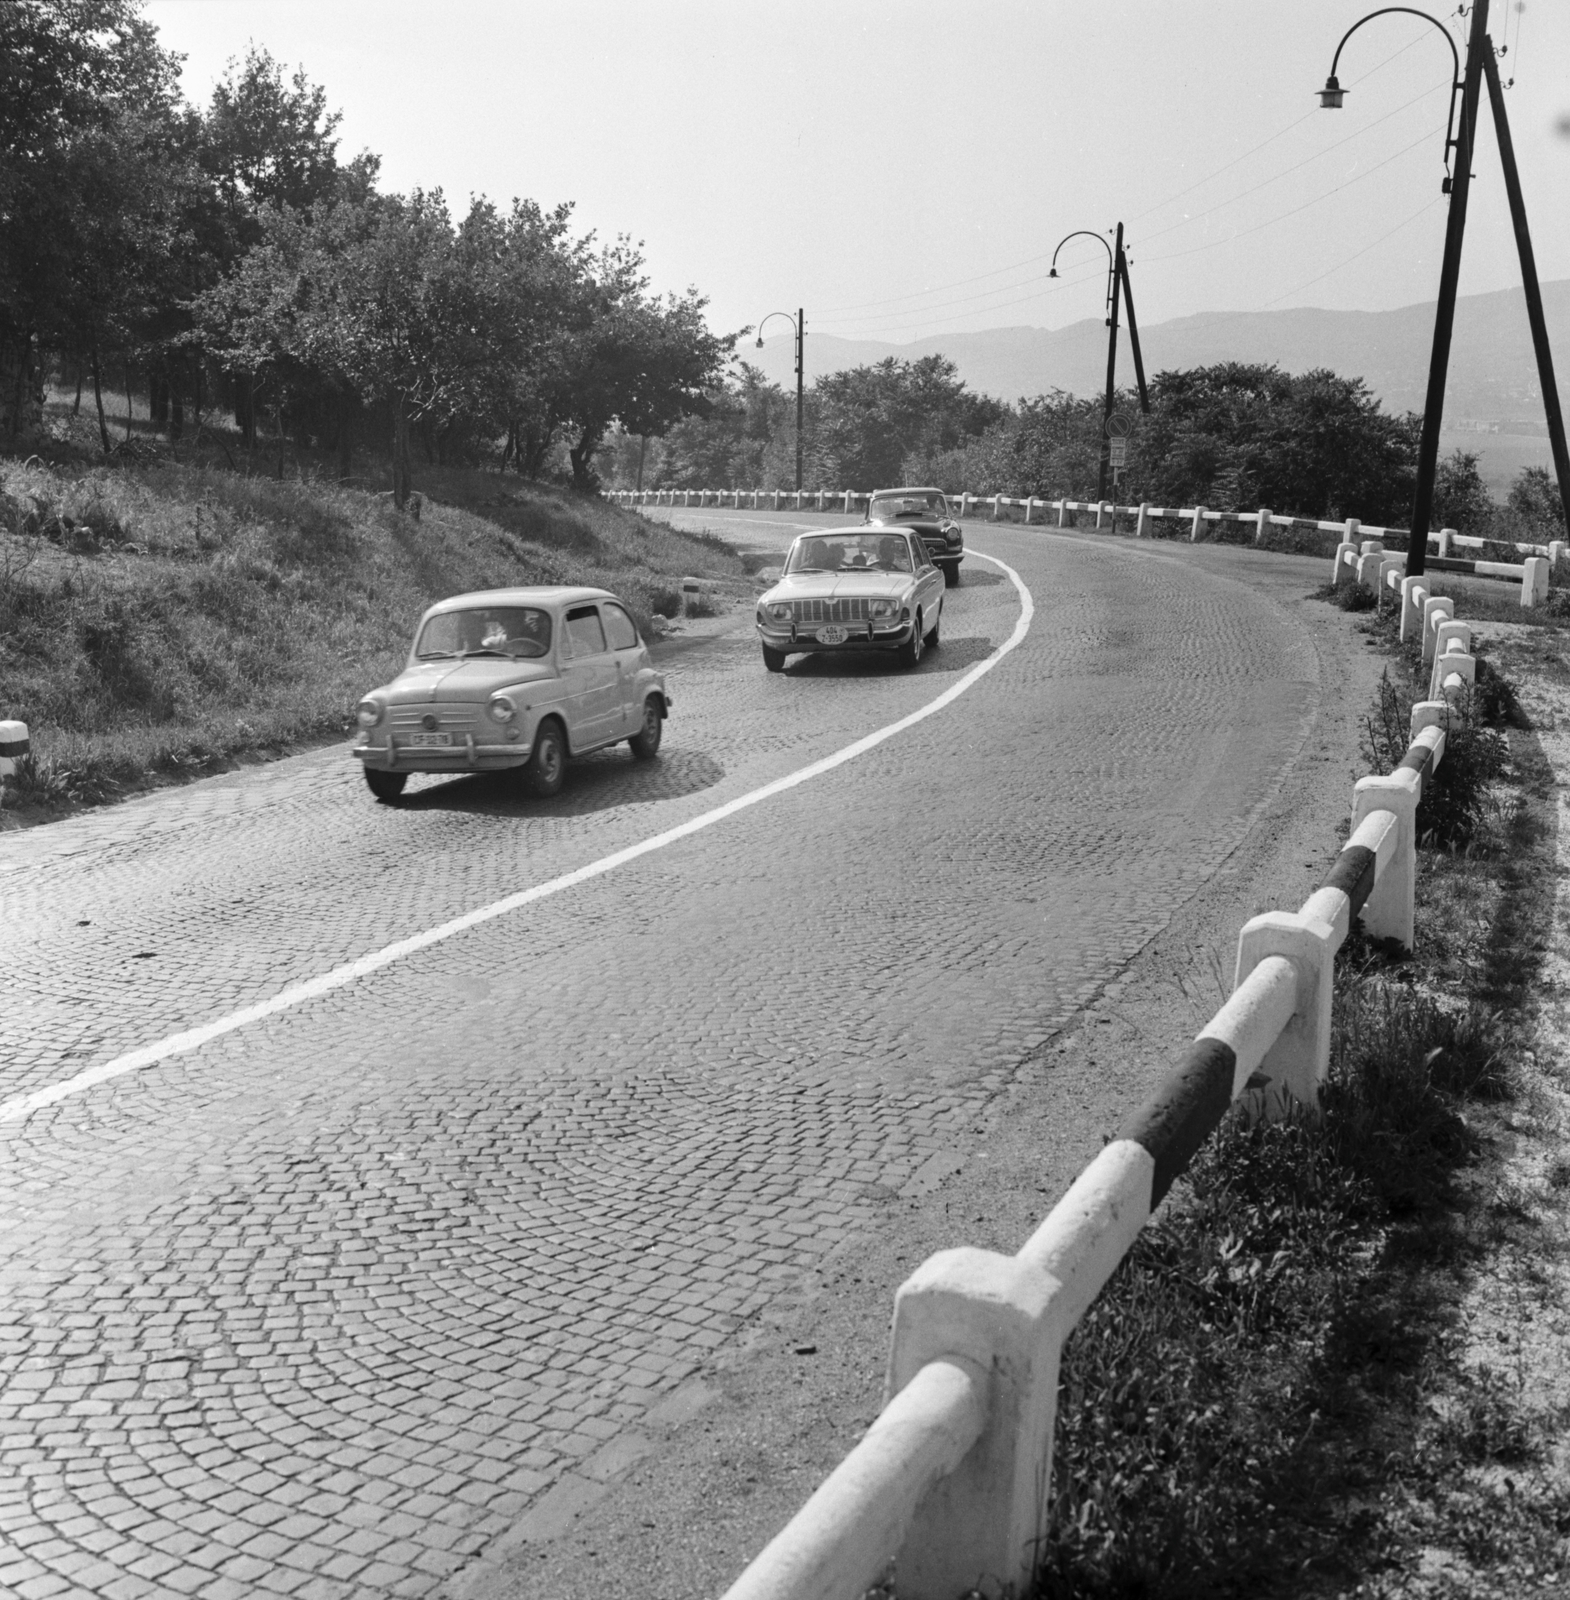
(271, 142)
(1461, 498)
(91, 173)
(1233, 435)
(867, 420)
(1534, 497)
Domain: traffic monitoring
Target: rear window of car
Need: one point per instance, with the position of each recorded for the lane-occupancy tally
(519, 631)
(624, 636)
(585, 636)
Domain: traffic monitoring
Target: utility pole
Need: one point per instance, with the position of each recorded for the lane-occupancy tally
(1133, 329)
(1112, 364)
(801, 339)
(1534, 297)
(799, 323)
(1478, 46)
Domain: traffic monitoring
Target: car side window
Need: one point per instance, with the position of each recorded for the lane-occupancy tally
(624, 636)
(585, 636)
(919, 550)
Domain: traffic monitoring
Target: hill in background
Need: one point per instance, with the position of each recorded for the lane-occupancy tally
(1493, 406)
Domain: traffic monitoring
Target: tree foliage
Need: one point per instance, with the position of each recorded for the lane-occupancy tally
(232, 245)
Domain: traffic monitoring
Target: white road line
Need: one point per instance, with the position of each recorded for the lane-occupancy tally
(23, 1106)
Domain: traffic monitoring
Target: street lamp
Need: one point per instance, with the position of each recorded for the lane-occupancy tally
(799, 322)
(1117, 279)
(1457, 187)
(1332, 95)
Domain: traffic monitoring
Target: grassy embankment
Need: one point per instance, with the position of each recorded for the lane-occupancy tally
(162, 619)
(1334, 1364)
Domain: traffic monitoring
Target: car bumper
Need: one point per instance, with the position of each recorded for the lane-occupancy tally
(859, 636)
(469, 756)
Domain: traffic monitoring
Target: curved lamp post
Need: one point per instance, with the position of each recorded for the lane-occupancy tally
(1460, 138)
(799, 323)
(1117, 279)
(1332, 95)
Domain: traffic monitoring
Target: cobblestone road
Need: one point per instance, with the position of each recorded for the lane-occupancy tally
(331, 1306)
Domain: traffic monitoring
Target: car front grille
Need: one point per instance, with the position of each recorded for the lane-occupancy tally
(448, 718)
(844, 609)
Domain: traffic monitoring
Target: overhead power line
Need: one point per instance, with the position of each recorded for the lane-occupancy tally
(908, 313)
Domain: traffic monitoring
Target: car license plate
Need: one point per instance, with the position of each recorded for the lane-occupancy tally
(428, 741)
(833, 635)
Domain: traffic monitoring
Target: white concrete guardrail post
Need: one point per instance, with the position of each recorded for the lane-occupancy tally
(1436, 609)
(1142, 521)
(1346, 559)
(1197, 527)
(1414, 591)
(1062, 513)
(1389, 911)
(997, 507)
(964, 503)
(1295, 1065)
(1445, 537)
(1534, 581)
(15, 742)
(1030, 509)
(1261, 523)
(1391, 570)
(1100, 507)
(1009, 1315)
(1449, 635)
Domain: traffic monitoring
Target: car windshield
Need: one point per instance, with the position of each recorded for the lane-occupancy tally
(516, 631)
(889, 508)
(850, 552)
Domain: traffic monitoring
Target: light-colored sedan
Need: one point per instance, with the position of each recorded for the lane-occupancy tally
(853, 589)
(513, 678)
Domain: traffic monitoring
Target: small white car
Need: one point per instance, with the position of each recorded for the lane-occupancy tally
(513, 678)
(866, 588)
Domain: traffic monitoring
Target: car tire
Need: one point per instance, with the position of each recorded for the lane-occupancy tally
(951, 575)
(932, 632)
(773, 660)
(385, 785)
(910, 652)
(645, 743)
(546, 769)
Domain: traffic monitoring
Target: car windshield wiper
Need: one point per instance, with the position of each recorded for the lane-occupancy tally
(437, 655)
(485, 651)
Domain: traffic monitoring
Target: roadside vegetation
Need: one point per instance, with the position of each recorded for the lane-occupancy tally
(160, 620)
(1329, 1366)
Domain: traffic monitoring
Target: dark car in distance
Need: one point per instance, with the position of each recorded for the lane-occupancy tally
(924, 511)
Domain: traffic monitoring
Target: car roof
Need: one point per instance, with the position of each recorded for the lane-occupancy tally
(909, 488)
(540, 594)
(857, 528)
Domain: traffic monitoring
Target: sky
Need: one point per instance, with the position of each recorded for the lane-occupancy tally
(907, 170)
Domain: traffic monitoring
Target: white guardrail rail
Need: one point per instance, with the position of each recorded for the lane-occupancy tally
(949, 1486)
(1534, 587)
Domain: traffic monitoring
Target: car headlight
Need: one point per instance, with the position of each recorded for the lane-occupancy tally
(502, 709)
(780, 612)
(369, 712)
(884, 609)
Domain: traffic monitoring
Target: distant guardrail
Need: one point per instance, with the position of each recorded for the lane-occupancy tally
(1106, 514)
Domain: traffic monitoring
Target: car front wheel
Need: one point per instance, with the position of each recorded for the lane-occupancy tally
(774, 660)
(951, 575)
(385, 785)
(910, 652)
(547, 765)
(645, 743)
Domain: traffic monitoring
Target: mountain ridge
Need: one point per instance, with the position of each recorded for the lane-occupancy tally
(1493, 373)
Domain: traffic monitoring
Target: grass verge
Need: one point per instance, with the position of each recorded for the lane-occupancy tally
(1297, 1384)
(161, 620)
